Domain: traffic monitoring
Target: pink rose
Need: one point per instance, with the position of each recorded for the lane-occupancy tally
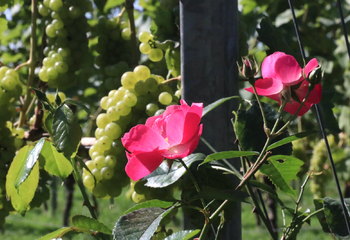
(173, 134)
(282, 73)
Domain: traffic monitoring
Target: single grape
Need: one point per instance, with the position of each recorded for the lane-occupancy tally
(126, 33)
(89, 181)
(144, 37)
(113, 113)
(99, 162)
(145, 48)
(155, 55)
(99, 132)
(110, 161)
(43, 11)
(50, 31)
(107, 173)
(128, 80)
(55, 5)
(102, 120)
(97, 174)
(103, 103)
(130, 99)
(142, 72)
(151, 108)
(165, 98)
(113, 130)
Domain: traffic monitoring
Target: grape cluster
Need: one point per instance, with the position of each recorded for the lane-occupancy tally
(67, 45)
(141, 95)
(149, 47)
(10, 89)
(138, 192)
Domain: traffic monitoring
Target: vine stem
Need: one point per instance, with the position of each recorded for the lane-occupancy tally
(129, 6)
(345, 31)
(321, 126)
(31, 63)
(78, 180)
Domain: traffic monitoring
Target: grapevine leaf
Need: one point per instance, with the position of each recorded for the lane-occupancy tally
(29, 163)
(282, 169)
(57, 233)
(216, 104)
(289, 139)
(183, 235)
(66, 131)
(149, 204)
(163, 176)
(332, 217)
(140, 224)
(22, 196)
(90, 224)
(55, 162)
(227, 155)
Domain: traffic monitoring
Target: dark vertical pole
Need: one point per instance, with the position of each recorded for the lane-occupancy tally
(209, 46)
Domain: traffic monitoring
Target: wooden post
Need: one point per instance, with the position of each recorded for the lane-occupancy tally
(209, 46)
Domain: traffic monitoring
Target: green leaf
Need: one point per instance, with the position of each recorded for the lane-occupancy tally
(333, 216)
(183, 235)
(112, 4)
(216, 104)
(57, 234)
(78, 104)
(3, 25)
(22, 196)
(208, 192)
(90, 224)
(289, 139)
(163, 176)
(66, 131)
(43, 99)
(227, 155)
(282, 169)
(140, 224)
(29, 163)
(55, 162)
(149, 204)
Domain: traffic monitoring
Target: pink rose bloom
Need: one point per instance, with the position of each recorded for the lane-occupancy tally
(173, 134)
(281, 72)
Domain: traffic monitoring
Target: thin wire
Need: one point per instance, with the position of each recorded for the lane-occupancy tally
(345, 31)
(321, 125)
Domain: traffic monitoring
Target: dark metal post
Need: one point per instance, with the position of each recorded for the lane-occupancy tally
(209, 46)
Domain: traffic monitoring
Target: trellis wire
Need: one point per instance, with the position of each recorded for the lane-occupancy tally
(319, 116)
(345, 31)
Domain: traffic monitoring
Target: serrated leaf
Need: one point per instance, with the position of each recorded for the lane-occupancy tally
(66, 131)
(57, 234)
(149, 204)
(163, 176)
(55, 162)
(282, 170)
(22, 196)
(43, 99)
(289, 139)
(216, 104)
(333, 216)
(183, 235)
(227, 155)
(140, 224)
(29, 162)
(90, 224)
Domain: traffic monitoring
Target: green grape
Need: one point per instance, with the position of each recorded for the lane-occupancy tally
(128, 80)
(144, 37)
(155, 55)
(61, 67)
(107, 173)
(90, 164)
(142, 72)
(178, 93)
(124, 109)
(89, 181)
(103, 143)
(102, 120)
(43, 75)
(97, 174)
(57, 24)
(140, 88)
(99, 190)
(99, 162)
(137, 198)
(110, 161)
(99, 132)
(126, 33)
(43, 11)
(55, 5)
(145, 48)
(159, 112)
(104, 103)
(113, 113)
(130, 99)
(50, 31)
(113, 130)
(151, 108)
(74, 12)
(165, 98)
(151, 85)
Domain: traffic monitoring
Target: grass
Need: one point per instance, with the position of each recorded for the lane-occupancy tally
(38, 221)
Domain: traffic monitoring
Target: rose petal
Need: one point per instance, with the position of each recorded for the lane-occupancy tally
(293, 106)
(268, 65)
(315, 94)
(141, 164)
(183, 150)
(287, 70)
(142, 138)
(310, 66)
(266, 87)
